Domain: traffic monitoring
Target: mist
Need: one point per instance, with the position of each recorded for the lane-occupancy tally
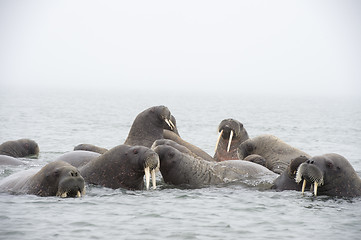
(237, 47)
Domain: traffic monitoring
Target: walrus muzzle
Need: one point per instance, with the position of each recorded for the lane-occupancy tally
(151, 165)
(229, 141)
(308, 172)
(71, 186)
(170, 123)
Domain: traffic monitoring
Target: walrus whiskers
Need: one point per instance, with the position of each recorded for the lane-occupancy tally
(230, 140)
(219, 138)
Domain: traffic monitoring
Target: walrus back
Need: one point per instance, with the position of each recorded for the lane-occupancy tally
(16, 183)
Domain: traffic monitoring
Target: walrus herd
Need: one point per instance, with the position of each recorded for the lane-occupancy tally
(153, 143)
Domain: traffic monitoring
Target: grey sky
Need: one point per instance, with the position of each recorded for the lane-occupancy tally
(233, 46)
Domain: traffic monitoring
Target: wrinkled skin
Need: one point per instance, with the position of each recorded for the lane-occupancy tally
(286, 181)
(90, 148)
(181, 169)
(54, 179)
(20, 148)
(277, 153)
(333, 174)
(239, 135)
(148, 126)
(120, 167)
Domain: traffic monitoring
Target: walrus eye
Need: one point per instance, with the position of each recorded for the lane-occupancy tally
(135, 151)
(249, 148)
(329, 165)
(56, 173)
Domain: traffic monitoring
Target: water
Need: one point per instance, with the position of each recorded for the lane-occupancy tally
(60, 120)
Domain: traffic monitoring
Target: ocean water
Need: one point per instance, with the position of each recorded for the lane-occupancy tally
(59, 120)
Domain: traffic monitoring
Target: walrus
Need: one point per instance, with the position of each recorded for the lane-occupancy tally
(194, 149)
(7, 160)
(90, 148)
(286, 181)
(329, 174)
(54, 179)
(148, 126)
(277, 153)
(181, 169)
(122, 167)
(20, 148)
(231, 135)
(78, 158)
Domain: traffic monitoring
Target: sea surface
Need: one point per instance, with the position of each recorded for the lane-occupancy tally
(60, 120)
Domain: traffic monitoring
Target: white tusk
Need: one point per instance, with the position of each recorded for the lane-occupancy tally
(230, 140)
(78, 194)
(219, 138)
(171, 123)
(154, 179)
(315, 188)
(147, 177)
(303, 186)
(64, 195)
(167, 121)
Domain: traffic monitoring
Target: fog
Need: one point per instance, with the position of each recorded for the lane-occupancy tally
(237, 47)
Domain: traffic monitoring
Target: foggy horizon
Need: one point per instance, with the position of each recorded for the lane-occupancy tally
(265, 47)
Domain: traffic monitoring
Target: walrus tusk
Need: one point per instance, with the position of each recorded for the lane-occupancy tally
(219, 138)
(147, 177)
(230, 140)
(171, 123)
(315, 188)
(64, 195)
(168, 122)
(78, 194)
(153, 179)
(303, 186)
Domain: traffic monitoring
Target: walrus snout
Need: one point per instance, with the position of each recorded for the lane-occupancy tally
(309, 172)
(151, 165)
(71, 185)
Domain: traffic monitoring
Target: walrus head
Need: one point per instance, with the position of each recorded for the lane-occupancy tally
(20, 148)
(151, 165)
(232, 134)
(286, 181)
(30, 146)
(171, 161)
(149, 125)
(246, 148)
(329, 174)
(165, 116)
(58, 179)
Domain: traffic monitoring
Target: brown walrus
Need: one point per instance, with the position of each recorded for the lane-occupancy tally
(20, 148)
(329, 174)
(54, 179)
